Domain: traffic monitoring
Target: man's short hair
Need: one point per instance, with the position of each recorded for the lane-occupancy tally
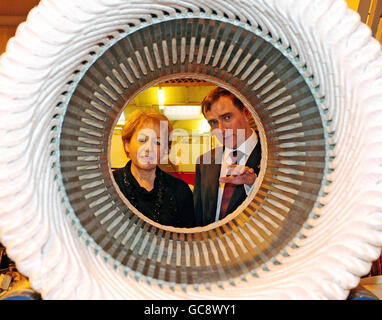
(214, 96)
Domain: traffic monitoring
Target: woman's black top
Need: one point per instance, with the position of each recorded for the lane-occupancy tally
(170, 202)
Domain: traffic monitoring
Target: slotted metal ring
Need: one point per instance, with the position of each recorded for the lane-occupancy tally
(292, 137)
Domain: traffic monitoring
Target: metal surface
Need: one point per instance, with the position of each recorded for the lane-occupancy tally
(292, 136)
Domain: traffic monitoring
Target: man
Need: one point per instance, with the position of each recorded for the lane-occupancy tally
(225, 175)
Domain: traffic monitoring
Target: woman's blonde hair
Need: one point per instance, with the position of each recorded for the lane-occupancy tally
(138, 119)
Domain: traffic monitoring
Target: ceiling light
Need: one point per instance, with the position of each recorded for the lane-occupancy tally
(182, 112)
(160, 97)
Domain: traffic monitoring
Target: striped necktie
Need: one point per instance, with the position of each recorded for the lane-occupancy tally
(229, 187)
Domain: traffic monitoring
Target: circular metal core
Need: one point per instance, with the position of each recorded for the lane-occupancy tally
(291, 129)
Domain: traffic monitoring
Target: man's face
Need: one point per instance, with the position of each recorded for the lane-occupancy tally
(228, 123)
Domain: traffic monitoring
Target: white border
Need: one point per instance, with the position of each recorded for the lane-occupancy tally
(336, 48)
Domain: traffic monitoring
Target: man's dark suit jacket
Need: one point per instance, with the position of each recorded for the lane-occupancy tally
(206, 186)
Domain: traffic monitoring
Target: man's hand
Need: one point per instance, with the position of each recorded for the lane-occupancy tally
(239, 174)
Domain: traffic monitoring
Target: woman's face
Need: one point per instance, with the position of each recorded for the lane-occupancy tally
(147, 145)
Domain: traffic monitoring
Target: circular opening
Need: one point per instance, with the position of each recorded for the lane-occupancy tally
(190, 139)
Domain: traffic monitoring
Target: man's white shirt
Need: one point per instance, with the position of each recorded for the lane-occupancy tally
(246, 149)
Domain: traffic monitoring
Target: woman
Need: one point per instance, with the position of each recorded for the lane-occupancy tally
(155, 193)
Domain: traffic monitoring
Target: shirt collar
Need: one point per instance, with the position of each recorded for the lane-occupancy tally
(247, 146)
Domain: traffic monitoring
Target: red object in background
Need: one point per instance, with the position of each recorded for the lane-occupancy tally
(187, 177)
(376, 268)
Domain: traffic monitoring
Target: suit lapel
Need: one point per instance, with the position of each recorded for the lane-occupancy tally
(254, 159)
(239, 193)
(212, 175)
